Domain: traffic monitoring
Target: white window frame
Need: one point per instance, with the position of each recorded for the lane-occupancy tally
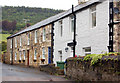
(20, 41)
(87, 50)
(43, 53)
(93, 11)
(11, 43)
(35, 36)
(15, 42)
(15, 56)
(11, 56)
(28, 39)
(72, 23)
(35, 54)
(24, 53)
(20, 56)
(44, 34)
(61, 28)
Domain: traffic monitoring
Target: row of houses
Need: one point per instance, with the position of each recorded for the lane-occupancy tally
(49, 41)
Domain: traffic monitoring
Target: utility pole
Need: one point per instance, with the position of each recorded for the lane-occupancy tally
(74, 40)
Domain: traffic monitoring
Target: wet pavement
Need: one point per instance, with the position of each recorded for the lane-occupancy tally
(18, 73)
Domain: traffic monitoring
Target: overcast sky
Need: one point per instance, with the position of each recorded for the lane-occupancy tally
(55, 4)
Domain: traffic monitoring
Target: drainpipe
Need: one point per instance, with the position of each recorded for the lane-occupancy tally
(111, 26)
(52, 42)
(74, 40)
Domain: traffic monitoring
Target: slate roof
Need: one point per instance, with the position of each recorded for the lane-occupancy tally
(55, 18)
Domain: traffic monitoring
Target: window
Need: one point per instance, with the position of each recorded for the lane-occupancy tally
(93, 14)
(11, 43)
(15, 56)
(20, 56)
(20, 41)
(11, 56)
(15, 42)
(44, 34)
(87, 50)
(24, 54)
(60, 54)
(28, 39)
(60, 28)
(35, 54)
(36, 36)
(43, 53)
(72, 23)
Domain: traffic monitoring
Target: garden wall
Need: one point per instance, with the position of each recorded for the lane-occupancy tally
(106, 69)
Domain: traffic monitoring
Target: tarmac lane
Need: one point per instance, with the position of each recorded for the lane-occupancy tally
(18, 73)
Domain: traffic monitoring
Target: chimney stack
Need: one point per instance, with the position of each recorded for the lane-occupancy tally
(81, 1)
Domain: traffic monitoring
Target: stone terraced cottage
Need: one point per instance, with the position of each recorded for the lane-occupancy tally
(48, 41)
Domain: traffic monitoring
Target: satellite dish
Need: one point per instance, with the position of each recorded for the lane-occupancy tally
(116, 10)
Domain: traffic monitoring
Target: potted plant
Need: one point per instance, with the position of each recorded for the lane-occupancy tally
(34, 60)
(19, 60)
(43, 60)
(23, 60)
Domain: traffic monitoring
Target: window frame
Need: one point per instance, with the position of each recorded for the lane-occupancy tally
(43, 53)
(15, 56)
(35, 36)
(20, 41)
(60, 28)
(35, 54)
(44, 34)
(11, 43)
(28, 43)
(87, 50)
(11, 56)
(15, 42)
(92, 12)
(72, 23)
(20, 56)
(24, 54)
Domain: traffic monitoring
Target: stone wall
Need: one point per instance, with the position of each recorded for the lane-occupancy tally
(51, 69)
(106, 70)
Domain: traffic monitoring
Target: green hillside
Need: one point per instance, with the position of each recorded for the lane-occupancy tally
(15, 18)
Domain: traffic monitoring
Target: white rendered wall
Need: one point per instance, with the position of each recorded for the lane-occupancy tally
(96, 38)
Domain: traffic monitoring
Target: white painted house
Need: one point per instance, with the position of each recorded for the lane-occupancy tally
(92, 30)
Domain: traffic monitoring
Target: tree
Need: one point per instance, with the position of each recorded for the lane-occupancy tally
(3, 45)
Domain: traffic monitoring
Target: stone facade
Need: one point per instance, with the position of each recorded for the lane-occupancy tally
(24, 53)
(117, 28)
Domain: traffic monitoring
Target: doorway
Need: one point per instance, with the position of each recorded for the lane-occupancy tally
(27, 57)
(49, 55)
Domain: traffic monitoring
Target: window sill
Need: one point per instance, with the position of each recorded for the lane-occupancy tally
(93, 27)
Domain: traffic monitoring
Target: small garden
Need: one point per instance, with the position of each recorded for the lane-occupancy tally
(95, 58)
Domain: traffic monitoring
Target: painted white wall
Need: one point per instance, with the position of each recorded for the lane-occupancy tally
(97, 38)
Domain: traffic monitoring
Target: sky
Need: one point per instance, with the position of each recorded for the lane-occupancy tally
(54, 4)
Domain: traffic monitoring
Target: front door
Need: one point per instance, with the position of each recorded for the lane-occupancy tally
(49, 55)
(28, 57)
